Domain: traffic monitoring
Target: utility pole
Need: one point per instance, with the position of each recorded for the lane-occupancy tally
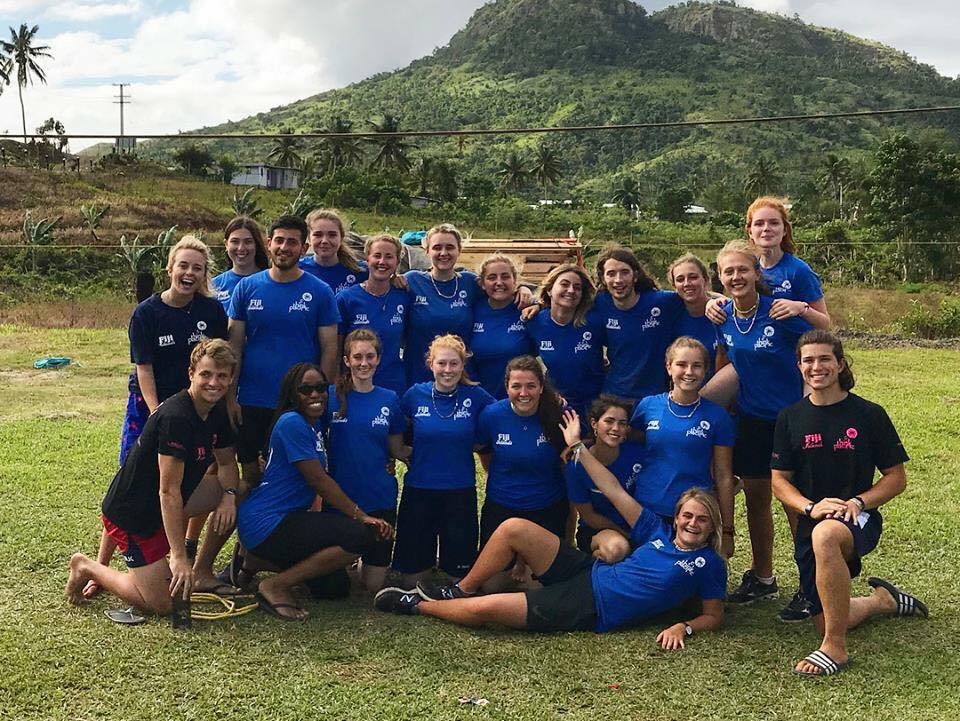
(122, 100)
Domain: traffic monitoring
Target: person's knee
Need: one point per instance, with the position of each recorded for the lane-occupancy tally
(513, 527)
(829, 538)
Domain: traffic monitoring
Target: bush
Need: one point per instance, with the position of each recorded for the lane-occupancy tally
(923, 322)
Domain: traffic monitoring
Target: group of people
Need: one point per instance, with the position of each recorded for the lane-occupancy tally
(600, 410)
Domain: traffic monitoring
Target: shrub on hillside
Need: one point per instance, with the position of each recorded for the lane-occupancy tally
(942, 322)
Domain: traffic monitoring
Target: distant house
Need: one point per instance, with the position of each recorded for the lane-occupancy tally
(262, 175)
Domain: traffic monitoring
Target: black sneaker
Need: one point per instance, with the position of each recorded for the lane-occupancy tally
(799, 609)
(440, 591)
(397, 600)
(751, 590)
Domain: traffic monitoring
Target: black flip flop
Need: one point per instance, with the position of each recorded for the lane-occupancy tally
(274, 608)
(222, 589)
(126, 616)
(907, 605)
(822, 661)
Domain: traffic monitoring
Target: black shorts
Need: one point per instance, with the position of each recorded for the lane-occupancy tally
(865, 539)
(751, 452)
(566, 601)
(553, 518)
(429, 515)
(303, 533)
(382, 550)
(253, 435)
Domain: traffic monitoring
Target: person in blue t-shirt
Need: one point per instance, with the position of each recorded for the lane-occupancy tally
(639, 320)
(246, 252)
(569, 337)
(365, 431)
(332, 261)
(525, 475)
(276, 522)
(278, 317)
(761, 348)
(688, 440)
(690, 278)
(499, 334)
(668, 567)
(602, 531)
(377, 305)
(439, 500)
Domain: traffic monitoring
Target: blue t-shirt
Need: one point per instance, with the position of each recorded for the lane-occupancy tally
(637, 341)
(656, 577)
(359, 450)
(339, 277)
(792, 279)
(678, 452)
(763, 351)
(164, 336)
(581, 488)
(704, 331)
(444, 432)
(573, 356)
(498, 337)
(437, 307)
(282, 320)
(387, 317)
(525, 472)
(283, 488)
(224, 285)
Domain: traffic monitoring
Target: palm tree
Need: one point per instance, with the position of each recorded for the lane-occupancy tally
(340, 152)
(423, 174)
(284, 151)
(23, 55)
(445, 181)
(392, 153)
(512, 173)
(627, 194)
(834, 175)
(764, 178)
(547, 168)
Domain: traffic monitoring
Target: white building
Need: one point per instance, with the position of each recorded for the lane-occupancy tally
(262, 175)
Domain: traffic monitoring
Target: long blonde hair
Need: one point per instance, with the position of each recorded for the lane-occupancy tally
(344, 255)
(586, 297)
(708, 501)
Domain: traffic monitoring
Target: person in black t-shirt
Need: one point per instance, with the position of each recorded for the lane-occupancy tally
(827, 448)
(161, 484)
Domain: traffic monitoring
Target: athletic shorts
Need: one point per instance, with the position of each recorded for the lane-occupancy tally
(553, 518)
(381, 552)
(138, 550)
(865, 539)
(134, 420)
(751, 452)
(303, 533)
(566, 601)
(429, 515)
(253, 435)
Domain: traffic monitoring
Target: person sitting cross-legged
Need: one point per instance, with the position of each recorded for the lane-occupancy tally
(827, 448)
(668, 567)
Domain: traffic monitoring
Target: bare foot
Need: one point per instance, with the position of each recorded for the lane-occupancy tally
(282, 602)
(887, 602)
(76, 580)
(839, 656)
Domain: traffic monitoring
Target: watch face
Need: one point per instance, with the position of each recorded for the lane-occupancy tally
(688, 630)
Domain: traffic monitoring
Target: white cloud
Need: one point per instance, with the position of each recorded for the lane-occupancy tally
(91, 11)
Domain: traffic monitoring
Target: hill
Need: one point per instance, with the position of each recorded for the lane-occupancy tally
(527, 63)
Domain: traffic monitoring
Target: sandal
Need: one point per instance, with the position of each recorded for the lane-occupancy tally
(826, 665)
(907, 605)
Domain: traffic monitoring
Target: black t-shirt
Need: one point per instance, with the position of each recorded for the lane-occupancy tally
(835, 450)
(133, 499)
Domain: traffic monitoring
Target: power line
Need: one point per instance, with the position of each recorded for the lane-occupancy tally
(524, 131)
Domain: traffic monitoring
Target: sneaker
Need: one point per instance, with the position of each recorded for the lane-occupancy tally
(799, 609)
(397, 600)
(750, 590)
(440, 591)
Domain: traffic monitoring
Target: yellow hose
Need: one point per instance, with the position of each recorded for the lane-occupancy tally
(230, 607)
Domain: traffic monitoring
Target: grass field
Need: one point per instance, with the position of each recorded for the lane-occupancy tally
(58, 441)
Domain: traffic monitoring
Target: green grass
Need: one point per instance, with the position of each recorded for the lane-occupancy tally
(58, 442)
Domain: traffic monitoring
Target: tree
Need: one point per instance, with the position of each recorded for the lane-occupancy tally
(764, 178)
(343, 152)
(834, 175)
(24, 56)
(627, 195)
(226, 168)
(423, 174)
(446, 187)
(512, 172)
(52, 125)
(547, 168)
(194, 159)
(285, 151)
(392, 150)
(672, 203)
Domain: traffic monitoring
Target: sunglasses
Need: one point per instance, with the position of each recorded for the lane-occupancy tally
(306, 389)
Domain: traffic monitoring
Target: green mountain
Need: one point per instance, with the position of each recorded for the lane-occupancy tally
(542, 63)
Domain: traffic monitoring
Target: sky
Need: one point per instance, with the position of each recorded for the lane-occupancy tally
(194, 63)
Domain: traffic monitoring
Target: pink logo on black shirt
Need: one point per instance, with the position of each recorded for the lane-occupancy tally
(812, 440)
(852, 433)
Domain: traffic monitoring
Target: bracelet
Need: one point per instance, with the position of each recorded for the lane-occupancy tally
(806, 307)
(230, 491)
(860, 502)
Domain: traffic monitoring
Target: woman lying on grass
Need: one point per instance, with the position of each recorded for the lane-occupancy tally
(668, 567)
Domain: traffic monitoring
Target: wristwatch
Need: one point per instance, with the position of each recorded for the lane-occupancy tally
(808, 509)
(687, 630)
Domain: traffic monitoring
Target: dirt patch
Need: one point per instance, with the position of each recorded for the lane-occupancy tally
(30, 377)
(880, 341)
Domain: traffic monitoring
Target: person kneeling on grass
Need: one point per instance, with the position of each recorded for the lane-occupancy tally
(666, 569)
(161, 483)
(826, 450)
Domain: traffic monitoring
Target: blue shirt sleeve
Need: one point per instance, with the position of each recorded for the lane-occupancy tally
(327, 311)
(297, 438)
(142, 328)
(713, 584)
(572, 474)
(638, 419)
(726, 432)
(238, 301)
(397, 422)
(806, 283)
(484, 438)
(648, 526)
